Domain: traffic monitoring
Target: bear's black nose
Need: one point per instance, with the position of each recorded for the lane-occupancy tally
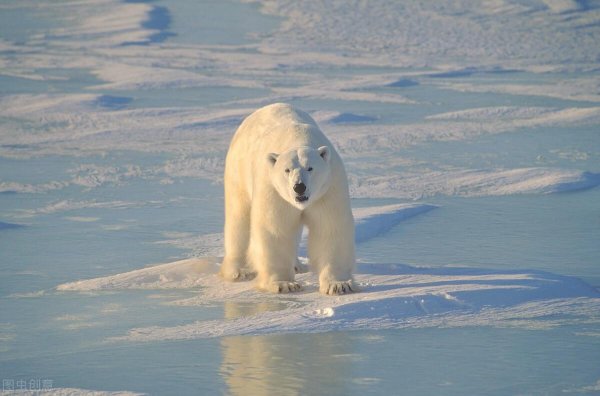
(299, 188)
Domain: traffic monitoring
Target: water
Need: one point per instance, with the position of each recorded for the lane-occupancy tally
(105, 199)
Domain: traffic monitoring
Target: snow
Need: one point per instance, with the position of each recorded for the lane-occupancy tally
(130, 77)
(585, 389)
(473, 183)
(576, 89)
(107, 23)
(436, 33)
(563, 6)
(392, 297)
(341, 118)
(94, 129)
(70, 205)
(179, 274)
(15, 187)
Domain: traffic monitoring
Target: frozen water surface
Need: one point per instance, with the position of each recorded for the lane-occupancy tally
(470, 134)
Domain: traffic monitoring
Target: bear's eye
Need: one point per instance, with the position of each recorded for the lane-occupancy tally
(309, 169)
(287, 171)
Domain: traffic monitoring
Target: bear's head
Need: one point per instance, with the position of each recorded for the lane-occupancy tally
(301, 176)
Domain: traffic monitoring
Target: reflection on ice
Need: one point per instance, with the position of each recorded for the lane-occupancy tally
(258, 365)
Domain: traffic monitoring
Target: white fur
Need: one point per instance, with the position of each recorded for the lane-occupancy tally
(274, 149)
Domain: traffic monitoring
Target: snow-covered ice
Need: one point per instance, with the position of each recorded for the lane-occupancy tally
(469, 130)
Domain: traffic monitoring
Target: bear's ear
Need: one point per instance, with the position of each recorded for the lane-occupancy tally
(324, 152)
(272, 158)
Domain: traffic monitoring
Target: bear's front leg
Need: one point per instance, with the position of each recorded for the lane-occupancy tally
(331, 245)
(273, 255)
(275, 269)
(276, 272)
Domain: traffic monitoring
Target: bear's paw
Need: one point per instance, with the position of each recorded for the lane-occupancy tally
(283, 287)
(238, 275)
(335, 288)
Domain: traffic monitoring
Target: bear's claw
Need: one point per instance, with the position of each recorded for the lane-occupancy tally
(239, 275)
(339, 287)
(245, 274)
(284, 287)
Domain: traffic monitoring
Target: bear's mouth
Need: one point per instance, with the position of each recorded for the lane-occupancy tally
(301, 198)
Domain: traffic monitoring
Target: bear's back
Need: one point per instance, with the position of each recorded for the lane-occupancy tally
(277, 128)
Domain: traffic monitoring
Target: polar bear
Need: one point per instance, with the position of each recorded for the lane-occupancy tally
(282, 173)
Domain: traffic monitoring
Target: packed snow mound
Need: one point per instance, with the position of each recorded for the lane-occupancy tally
(336, 117)
(181, 274)
(392, 296)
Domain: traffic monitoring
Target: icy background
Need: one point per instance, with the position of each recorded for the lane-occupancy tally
(471, 134)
